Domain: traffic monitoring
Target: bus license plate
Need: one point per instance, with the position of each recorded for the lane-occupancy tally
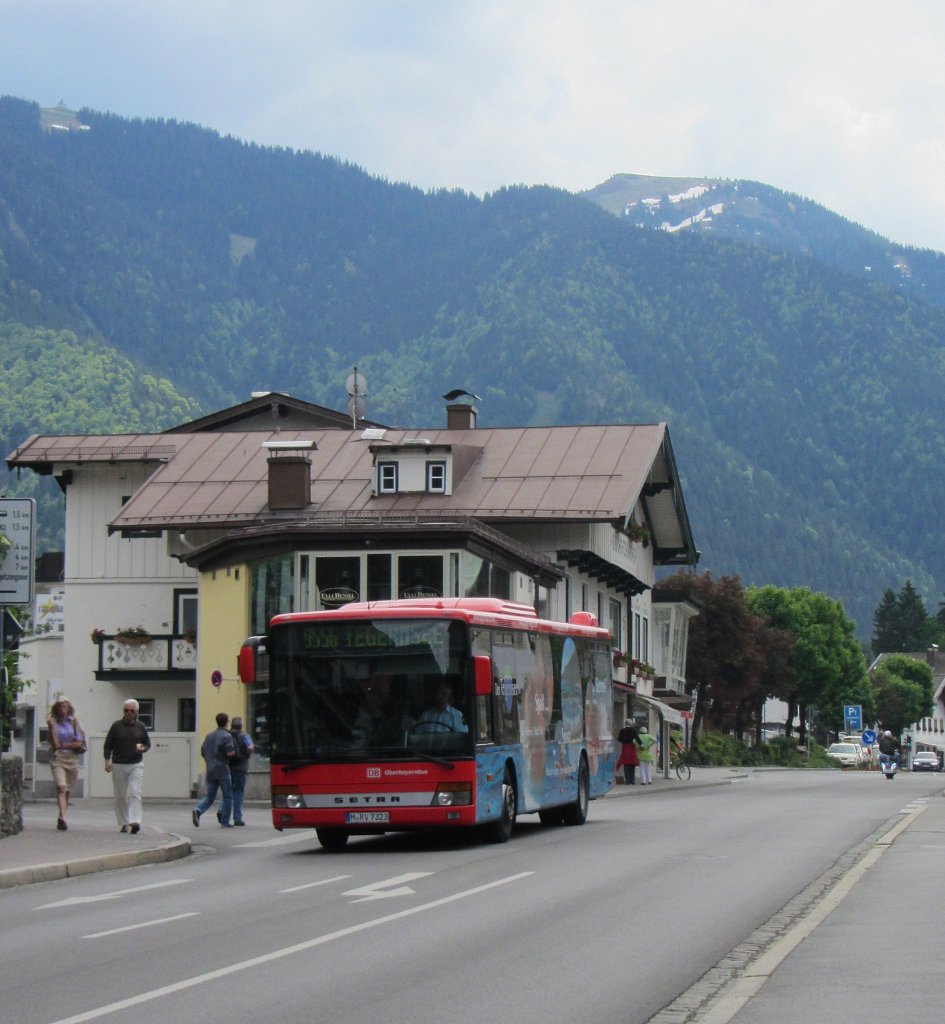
(367, 817)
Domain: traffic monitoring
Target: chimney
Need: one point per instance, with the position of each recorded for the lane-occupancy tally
(290, 475)
(460, 416)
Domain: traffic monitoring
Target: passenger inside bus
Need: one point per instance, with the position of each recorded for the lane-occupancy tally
(375, 725)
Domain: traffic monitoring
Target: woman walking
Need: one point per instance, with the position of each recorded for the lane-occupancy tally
(67, 741)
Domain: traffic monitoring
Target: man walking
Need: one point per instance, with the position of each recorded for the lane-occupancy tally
(218, 752)
(126, 744)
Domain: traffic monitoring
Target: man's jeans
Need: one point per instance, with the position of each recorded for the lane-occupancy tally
(239, 791)
(225, 786)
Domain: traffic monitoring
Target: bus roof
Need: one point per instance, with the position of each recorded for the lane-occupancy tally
(486, 611)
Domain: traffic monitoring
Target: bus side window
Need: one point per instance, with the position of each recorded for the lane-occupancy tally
(483, 719)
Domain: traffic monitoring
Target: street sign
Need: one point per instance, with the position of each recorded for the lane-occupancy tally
(852, 717)
(17, 516)
(868, 737)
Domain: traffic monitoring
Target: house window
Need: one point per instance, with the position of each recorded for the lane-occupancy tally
(637, 636)
(185, 612)
(187, 714)
(146, 712)
(616, 623)
(436, 478)
(584, 597)
(387, 478)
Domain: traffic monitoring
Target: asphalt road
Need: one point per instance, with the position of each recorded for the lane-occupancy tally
(604, 923)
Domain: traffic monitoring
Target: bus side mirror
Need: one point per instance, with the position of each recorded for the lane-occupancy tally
(254, 660)
(482, 669)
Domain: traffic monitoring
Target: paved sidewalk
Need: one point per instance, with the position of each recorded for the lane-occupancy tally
(40, 853)
(866, 944)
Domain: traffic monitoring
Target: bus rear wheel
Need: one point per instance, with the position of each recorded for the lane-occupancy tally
(332, 838)
(501, 831)
(576, 813)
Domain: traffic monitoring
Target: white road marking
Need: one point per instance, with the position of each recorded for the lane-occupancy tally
(280, 954)
(140, 924)
(117, 894)
(301, 837)
(381, 890)
(311, 885)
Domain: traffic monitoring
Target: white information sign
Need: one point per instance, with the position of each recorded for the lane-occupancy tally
(17, 516)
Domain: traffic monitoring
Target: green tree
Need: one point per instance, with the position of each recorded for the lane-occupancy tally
(827, 665)
(886, 624)
(904, 691)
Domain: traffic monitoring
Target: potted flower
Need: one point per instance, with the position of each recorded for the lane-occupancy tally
(133, 636)
(97, 635)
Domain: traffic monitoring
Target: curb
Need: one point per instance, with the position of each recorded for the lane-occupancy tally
(177, 848)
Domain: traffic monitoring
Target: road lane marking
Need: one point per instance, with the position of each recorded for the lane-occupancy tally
(382, 890)
(74, 901)
(280, 954)
(311, 885)
(302, 837)
(140, 924)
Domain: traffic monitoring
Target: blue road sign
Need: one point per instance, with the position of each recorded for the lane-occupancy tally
(868, 737)
(852, 717)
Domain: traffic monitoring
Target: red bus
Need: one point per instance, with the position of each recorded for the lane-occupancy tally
(434, 713)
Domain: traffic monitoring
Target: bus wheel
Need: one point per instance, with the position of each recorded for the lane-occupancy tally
(500, 831)
(576, 813)
(332, 838)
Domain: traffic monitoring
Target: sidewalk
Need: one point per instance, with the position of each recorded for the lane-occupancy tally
(40, 853)
(701, 777)
(862, 938)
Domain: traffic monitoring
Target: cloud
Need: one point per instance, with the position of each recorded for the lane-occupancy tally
(839, 102)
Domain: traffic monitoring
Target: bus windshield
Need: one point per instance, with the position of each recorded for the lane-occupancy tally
(359, 689)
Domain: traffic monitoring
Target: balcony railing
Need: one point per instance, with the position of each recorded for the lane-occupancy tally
(173, 656)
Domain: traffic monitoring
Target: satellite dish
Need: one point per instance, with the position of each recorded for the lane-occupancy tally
(356, 407)
(356, 384)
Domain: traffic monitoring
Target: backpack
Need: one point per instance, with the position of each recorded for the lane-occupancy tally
(242, 749)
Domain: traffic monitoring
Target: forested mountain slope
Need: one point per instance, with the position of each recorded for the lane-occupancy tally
(181, 270)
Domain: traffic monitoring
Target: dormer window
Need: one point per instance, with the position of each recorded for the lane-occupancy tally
(387, 478)
(436, 477)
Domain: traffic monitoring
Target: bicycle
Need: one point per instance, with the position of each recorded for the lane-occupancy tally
(683, 771)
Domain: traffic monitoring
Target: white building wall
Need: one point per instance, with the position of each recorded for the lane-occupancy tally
(113, 582)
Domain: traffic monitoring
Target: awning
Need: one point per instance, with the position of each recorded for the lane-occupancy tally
(669, 714)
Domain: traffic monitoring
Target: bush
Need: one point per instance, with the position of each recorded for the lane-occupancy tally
(721, 749)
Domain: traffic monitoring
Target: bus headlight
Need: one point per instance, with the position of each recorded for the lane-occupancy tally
(290, 800)
(453, 794)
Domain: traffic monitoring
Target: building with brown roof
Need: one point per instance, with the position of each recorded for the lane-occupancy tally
(201, 533)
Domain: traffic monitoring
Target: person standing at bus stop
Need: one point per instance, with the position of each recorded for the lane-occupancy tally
(218, 753)
(628, 738)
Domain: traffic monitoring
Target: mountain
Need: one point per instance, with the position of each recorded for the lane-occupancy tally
(748, 211)
(151, 270)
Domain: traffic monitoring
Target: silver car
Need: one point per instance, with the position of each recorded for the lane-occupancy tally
(926, 761)
(848, 754)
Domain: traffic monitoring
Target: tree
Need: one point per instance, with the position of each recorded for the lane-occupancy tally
(734, 660)
(827, 666)
(904, 691)
(886, 624)
(901, 623)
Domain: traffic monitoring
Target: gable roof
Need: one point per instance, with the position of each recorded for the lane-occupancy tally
(219, 480)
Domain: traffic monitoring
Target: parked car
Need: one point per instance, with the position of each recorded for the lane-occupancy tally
(926, 761)
(848, 754)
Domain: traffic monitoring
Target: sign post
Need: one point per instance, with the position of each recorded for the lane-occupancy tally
(17, 572)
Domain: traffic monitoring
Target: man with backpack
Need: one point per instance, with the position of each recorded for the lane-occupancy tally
(219, 753)
(239, 766)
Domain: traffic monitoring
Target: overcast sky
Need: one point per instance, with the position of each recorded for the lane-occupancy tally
(841, 101)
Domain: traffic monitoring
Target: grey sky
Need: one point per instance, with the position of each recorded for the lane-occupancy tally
(842, 102)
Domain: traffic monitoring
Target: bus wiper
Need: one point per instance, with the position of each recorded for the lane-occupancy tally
(430, 757)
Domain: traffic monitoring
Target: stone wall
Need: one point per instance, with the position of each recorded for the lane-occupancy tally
(11, 806)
